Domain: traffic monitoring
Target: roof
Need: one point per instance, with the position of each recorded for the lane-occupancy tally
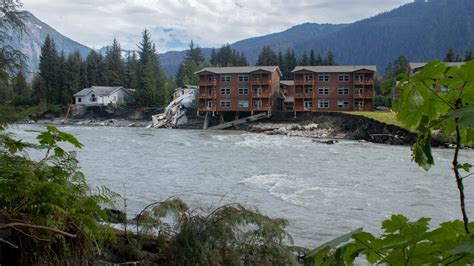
(101, 91)
(335, 69)
(416, 65)
(238, 70)
(287, 82)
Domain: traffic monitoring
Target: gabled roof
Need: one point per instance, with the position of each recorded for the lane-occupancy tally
(239, 70)
(101, 91)
(335, 69)
(416, 65)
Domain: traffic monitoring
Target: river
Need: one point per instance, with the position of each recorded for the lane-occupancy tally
(322, 190)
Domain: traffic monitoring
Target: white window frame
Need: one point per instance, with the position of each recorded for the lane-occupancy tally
(225, 78)
(323, 103)
(225, 103)
(93, 98)
(308, 90)
(257, 103)
(308, 104)
(344, 77)
(210, 104)
(324, 90)
(243, 91)
(308, 77)
(225, 91)
(243, 103)
(324, 77)
(257, 90)
(79, 99)
(342, 104)
(243, 77)
(343, 91)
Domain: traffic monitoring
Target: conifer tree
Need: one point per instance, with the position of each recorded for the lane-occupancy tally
(95, 69)
(71, 81)
(131, 68)
(312, 58)
(304, 59)
(267, 57)
(193, 61)
(468, 56)
(48, 88)
(450, 56)
(114, 65)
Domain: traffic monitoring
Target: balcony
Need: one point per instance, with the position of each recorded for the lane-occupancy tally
(261, 95)
(304, 95)
(207, 82)
(260, 81)
(261, 108)
(304, 82)
(363, 82)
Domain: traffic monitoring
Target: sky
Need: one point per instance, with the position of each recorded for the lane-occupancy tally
(210, 23)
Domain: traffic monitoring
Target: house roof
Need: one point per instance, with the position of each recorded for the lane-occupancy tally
(186, 87)
(240, 69)
(416, 65)
(101, 91)
(335, 69)
(287, 82)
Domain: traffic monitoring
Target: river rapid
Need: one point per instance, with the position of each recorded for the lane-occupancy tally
(322, 190)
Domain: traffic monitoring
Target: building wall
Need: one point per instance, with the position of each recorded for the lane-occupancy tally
(118, 97)
(261, 95)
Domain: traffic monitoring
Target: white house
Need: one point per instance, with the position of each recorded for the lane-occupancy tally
(185, 89)
(102, 96)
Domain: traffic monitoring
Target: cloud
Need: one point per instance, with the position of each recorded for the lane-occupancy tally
(173, 23)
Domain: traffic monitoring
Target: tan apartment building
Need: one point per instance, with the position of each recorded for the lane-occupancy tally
(251, 89)
(332, 88)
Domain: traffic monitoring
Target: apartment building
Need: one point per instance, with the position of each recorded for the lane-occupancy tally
(333, 88)
(238, 89)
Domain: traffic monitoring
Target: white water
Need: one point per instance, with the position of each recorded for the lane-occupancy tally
(322, 190)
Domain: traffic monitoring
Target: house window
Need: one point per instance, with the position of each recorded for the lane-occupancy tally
(343, 91)
(308, 77)
(308, 90)
(257, 90)
(225, 91)
(225, 78)
(243, 78)
(323, 103)
(323, 77)
(210, 104)
(343, 104)
(210, 91)
(243, 103)
(225, 103)
(93, 98)
(344, 77)
(243, 91)
(79, 99)
(308, 104)
(323, 91)
(257, 103)
(359, 91)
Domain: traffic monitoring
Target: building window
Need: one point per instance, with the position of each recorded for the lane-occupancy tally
(79, 99)
(225, 91)
(225, 103)
(243, 104)
(343, 104)
(308, 90)
(359, 77)
(323, 77)
(93, 98)
(210, 91)
(257, 103)
(210, 104)
(324, 103)
(257, 90)
(343, 91)
(359, 91)
(359, 104)
(243, 78)
(243, 91)
(344, 77)
(323, 91)
(308, 104)
(225, 78)
(308, 77)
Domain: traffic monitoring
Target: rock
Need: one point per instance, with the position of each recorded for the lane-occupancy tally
(281, 131)
(311, 126)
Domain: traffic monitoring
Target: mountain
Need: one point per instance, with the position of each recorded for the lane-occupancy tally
(31, 39)
(421, 31)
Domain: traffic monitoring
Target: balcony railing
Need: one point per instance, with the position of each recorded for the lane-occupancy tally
(304, 81)
(206, 95)
(363, 81)
(261, 95)
(208, 82)
(260, 81)
(304, 95)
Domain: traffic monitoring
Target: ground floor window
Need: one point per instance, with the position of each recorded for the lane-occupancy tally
(243, 103)
(323, 103)
(257, 103)
(210, 104)
(225, 103)
(308, 104)
(343, 104)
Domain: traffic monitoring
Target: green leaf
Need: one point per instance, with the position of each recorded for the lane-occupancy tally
(465, 166)
(464, 115)
(334, 243)
(466, 247)
(396, 223)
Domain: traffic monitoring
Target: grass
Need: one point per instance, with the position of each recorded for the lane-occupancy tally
(384, 117)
